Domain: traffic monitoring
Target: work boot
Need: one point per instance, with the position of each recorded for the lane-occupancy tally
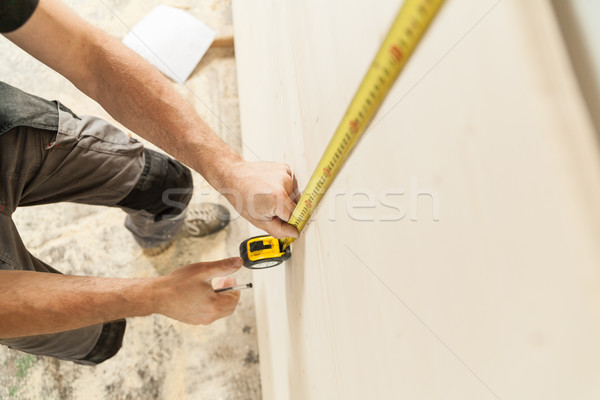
(201, 220)
(156, 250)
(205, 219)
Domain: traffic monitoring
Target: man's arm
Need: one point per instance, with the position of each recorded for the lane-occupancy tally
(137, 95)
(37, 302)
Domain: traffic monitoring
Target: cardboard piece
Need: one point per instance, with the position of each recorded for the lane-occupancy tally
(172, 40)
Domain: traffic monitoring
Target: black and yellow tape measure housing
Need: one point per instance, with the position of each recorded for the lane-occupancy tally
(264, 251)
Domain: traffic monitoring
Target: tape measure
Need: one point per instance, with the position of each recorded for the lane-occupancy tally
(412, 21)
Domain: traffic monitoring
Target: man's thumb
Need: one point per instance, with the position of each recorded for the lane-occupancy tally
(280, 229)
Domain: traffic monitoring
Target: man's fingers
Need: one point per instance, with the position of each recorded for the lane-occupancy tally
(222, 267)
(296, 192)
(284, 208)
(288, 185)
(224, 282)
(291, 188)
(280, 229)
(288, 230)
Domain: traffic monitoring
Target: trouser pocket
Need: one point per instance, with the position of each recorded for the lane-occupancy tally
(87, 161)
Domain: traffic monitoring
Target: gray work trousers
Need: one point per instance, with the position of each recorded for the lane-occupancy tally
(84, 160)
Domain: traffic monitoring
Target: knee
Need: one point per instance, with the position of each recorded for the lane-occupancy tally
(164, 188)
(108, 345)
(177, 189)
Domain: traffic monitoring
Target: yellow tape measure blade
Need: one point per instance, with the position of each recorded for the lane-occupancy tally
(410, 25)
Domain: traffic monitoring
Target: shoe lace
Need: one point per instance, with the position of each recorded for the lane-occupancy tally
(203, 214)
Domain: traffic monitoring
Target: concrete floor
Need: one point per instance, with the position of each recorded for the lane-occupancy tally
(160, 359)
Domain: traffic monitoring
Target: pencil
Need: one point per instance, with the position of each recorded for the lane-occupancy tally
(234, 288)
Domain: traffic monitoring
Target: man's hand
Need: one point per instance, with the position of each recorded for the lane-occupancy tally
(265, 194)
(189, 296)
(36, 303)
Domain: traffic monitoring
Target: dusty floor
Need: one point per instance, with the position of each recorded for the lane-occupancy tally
(160, 359)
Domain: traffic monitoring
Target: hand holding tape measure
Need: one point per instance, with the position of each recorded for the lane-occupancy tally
(412, 21)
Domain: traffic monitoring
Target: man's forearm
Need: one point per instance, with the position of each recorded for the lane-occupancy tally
(37, 303)
(139, 97)
(143, 100)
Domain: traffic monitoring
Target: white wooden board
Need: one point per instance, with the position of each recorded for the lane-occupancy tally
(500, 298)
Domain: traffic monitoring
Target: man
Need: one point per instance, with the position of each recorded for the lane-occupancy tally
(49, 154)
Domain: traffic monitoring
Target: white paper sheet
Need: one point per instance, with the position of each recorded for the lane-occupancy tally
(172, 40)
